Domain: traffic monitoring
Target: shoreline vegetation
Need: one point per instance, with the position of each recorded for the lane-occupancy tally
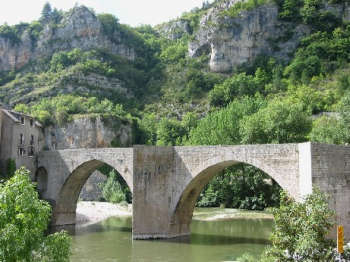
(91, 212)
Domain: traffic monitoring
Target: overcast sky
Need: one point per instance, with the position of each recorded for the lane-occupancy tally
(131, 12)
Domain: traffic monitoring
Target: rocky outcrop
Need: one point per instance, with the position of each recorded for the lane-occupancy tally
(89, 132)
(231, 41)
(174, 30)
(91, 191)
(79, 28)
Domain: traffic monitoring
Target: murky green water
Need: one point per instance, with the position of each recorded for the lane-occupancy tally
(222, 240)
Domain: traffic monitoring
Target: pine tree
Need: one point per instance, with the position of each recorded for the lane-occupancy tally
(46, 12)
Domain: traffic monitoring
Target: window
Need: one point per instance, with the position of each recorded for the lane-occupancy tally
(21, 139)
(22, 120)
(31, 122)
(32, 140)
(21, 151)
(31, 151)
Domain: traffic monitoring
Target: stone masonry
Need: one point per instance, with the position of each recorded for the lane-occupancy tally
(166, 181)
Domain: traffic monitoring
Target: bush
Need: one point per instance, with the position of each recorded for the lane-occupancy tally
(237, 85)
(329, 130)
(23, 223)
(300, 230)
(10, 168)
(60, 110)
(112, 190)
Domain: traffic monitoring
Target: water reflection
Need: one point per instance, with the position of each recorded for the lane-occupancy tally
(225, 240)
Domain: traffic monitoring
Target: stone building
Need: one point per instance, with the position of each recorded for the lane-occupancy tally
(21, 138)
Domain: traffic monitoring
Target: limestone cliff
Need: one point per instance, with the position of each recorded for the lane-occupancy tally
(89, 132)
(79, 28)
(232, 40)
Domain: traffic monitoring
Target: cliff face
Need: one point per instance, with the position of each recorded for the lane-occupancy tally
(232, 41)
(89, 132)
(80, 28)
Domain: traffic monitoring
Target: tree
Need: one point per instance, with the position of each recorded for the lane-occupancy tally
(112, 190)
(23, 224)
(226, 121)
(237, 85)
(109, 23)
(46, 12)
(301, 228)
(329, 130)
(169, 132)
(11, 167)
(279, 122)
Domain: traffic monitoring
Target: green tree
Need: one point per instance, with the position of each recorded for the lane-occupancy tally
(46, 12)
(112, 190)
(329, 130)
(109, 23)
(23, 224)
(11, 168)
(237, 85)
(279, 122)
(301, 228)
(241, 186)
(222, 127)
(170, 132)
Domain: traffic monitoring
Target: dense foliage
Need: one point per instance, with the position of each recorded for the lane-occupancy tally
(301, 229)
(114, 189)
(23, 224)
(301, 232)
(241, 186)
(61, 109)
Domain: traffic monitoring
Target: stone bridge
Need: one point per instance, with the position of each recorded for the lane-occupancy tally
(166, 181)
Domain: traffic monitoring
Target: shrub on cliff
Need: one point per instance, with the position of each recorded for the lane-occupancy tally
(23, 222)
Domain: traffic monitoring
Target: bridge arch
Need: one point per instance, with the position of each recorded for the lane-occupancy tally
(64, 211)
(183, 211)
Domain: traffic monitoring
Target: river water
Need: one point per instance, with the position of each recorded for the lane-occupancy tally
(212, 240)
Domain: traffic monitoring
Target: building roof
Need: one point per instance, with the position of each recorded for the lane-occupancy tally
(16, 116)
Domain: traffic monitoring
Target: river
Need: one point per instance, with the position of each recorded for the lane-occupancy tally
(214, 237)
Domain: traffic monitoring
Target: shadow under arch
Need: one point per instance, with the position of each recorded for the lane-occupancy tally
(183, 212)
(64, 211)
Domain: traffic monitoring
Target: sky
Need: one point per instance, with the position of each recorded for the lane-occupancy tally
(131, 12)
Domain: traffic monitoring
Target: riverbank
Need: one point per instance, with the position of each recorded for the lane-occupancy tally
(214, 214)
(89, 212)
